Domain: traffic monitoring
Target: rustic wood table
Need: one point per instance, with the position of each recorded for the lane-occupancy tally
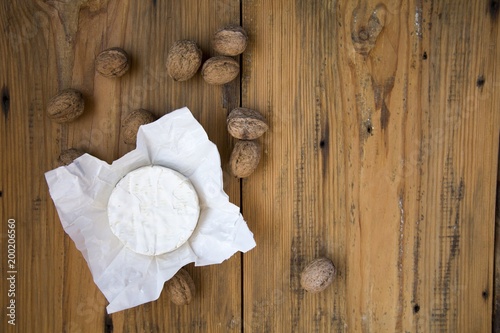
(382, 155)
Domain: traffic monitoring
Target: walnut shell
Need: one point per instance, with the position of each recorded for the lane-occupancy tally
(113, 62)
(318, 275)
(230, 40)
(220, 70)
(68, 156)
(66, 106)
(183, 60)
(246, 124)
(244, 158)
(133, 121)
(180, 288)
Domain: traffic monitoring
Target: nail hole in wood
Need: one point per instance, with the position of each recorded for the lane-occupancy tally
(485, 294)
(322, 143)
(424, 56)
(480, 81)
(416, 308)
(494, 7)
(5, 101)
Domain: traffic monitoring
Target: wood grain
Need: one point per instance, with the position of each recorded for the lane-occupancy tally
(382, 155)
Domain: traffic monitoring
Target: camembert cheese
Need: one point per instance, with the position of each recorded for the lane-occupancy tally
(153, 210)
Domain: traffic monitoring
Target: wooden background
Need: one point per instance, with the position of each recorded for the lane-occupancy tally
(382, 155)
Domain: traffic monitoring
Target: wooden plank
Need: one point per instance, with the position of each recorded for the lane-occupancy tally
(48, 294)
(453, 280)
(149, 87)
(382, 155)
(50, 46)
(291, 200)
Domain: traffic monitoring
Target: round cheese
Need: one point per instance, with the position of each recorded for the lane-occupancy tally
(153, 210)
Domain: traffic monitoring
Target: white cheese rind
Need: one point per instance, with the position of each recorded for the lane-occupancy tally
(153, 210)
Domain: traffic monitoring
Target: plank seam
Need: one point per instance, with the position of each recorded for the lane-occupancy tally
(240, 103)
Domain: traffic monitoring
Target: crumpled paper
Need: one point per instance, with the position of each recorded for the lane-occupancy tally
(81, 190)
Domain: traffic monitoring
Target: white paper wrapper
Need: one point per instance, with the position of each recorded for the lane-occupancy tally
(81, 190)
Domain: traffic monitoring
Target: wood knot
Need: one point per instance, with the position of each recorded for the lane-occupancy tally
(363, 34)
(365, 30)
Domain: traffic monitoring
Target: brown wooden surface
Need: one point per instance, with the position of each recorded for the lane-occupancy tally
(382, 154)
